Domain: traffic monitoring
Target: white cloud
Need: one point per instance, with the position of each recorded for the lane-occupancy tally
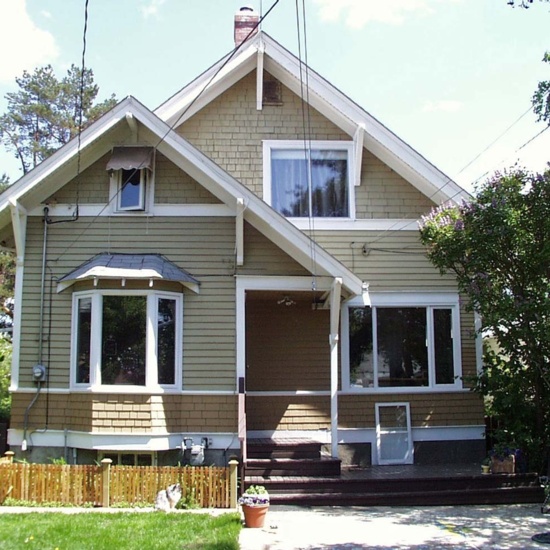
(357, 13)
(444, 105)
(22, 43)
(152, 8)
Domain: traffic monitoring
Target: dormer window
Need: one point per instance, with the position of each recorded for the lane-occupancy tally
(131, 189)
(131, 170)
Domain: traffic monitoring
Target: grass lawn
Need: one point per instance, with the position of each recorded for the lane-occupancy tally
(120, 530)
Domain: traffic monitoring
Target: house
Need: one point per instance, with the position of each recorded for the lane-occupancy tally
(242, 262)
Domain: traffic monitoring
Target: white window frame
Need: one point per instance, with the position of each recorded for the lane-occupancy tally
(151, 367)
(146, 193)
(394, 299)
(300, 145)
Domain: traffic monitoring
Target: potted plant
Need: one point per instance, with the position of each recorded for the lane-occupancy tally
(254, 503)
(486, 465)
(503, 459)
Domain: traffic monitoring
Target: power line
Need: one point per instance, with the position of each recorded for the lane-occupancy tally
(173, 125)
(494, 141)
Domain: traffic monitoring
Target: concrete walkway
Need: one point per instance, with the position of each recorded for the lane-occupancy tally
(500, 527)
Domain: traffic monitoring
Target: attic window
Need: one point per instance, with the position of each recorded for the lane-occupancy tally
(131, 174)
(272, 92)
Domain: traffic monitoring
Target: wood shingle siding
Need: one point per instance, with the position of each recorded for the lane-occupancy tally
(128, 412)
(427, 409)
(230, 130)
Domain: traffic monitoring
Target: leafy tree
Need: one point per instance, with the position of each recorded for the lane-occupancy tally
(541, 97)
(498, 247)
(526, 4)
(45, 113)
(4, 182)
(5, 368)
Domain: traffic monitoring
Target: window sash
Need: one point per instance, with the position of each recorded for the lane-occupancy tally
(150, 373)
(288, 168)
(131, 189)
(375, 336)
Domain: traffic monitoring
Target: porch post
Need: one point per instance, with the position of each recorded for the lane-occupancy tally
(334, 326)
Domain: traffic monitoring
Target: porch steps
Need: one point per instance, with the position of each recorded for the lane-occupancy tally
(314, 491)
(288, 457)
(295, 472)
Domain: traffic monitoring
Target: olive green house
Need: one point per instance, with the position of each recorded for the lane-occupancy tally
(243, 262)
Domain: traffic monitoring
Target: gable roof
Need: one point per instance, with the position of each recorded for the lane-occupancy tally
(61, 167)
(264, 51)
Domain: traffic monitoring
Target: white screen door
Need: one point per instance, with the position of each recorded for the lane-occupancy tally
(393, 433)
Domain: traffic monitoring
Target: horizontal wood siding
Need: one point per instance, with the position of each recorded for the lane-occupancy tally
(202, 246)
(230, 130)
(427, 410)
(129, 413)
(287, 346)
(394, 260)
(288, 413)
(262, 257)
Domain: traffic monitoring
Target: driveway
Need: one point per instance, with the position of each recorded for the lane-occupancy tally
(500, 527)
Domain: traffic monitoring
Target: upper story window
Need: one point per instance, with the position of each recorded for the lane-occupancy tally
(131, 189)
(131, 339)
(309, 179)
(402, 345)
(131, 170)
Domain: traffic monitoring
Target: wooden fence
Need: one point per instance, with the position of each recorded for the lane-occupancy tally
(108, 485)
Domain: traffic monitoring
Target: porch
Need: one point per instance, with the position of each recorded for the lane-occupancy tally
(287, 469)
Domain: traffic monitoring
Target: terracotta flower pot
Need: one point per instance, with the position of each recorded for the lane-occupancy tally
(254, 516)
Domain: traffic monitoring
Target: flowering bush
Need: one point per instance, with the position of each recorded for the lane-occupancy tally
(255, 495)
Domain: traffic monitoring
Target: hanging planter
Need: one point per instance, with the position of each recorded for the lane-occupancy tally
(255, 503)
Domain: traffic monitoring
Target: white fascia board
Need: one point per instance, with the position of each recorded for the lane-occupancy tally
(329, 101)
(69, 151)
(238, 67)
(347, 115)
(258, 213)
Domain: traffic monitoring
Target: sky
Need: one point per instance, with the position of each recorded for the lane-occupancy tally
(452, 78)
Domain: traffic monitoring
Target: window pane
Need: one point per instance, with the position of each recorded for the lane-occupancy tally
(123, 342)
(130, 194)
(289, 194)
(84, 332)
(166, 352)
(329, 182)
(402, 353)
(360, 348)
(443, 346)
(329, 177)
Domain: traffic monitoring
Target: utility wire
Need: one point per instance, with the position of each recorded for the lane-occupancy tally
(172, 126)
(494, 141)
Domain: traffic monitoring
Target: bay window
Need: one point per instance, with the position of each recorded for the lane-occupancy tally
(127, 339)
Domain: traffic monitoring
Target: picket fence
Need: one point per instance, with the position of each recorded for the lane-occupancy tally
(112, 485)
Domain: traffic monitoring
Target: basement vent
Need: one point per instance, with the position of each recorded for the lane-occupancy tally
(273, 92)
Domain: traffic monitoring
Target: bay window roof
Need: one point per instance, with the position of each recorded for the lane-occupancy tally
(129, 266)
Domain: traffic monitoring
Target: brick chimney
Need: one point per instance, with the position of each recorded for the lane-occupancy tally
(245, 20)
